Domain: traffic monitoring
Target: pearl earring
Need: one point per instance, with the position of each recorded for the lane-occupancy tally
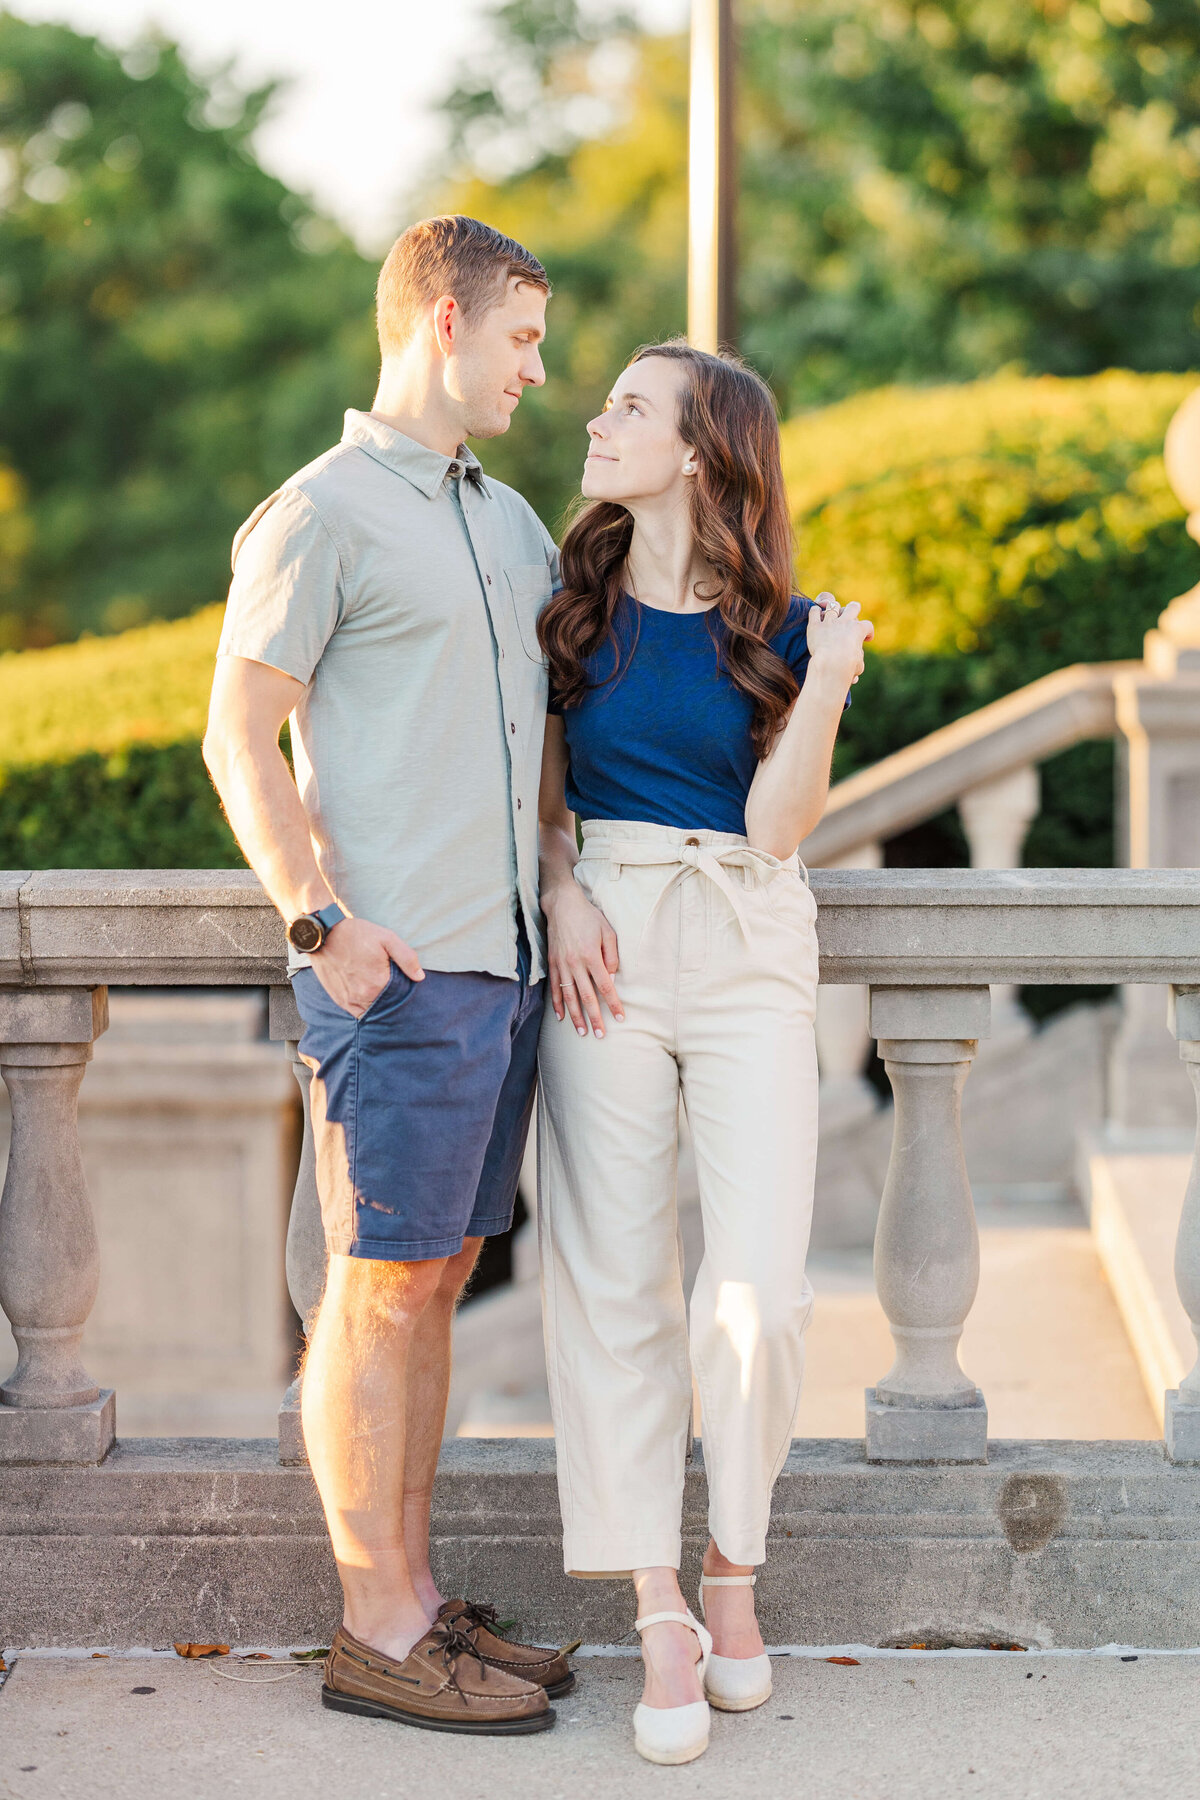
(689, 468)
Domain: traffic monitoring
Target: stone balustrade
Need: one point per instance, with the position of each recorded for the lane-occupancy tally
(927, 944)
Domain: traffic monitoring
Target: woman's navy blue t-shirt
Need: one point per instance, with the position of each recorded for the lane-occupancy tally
(667, 742)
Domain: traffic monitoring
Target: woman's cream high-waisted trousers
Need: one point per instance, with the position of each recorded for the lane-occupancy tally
(718, 980)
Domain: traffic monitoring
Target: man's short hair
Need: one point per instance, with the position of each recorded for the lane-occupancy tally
(449, 255)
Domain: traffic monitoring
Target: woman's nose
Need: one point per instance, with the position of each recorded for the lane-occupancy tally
(595, 427)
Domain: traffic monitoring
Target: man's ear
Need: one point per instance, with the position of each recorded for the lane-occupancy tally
(447, 323)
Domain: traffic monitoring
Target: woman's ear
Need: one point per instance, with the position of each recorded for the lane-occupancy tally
(689, 462)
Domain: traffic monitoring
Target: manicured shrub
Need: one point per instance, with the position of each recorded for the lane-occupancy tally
(100, 761)
(994, 532)
(140, 808)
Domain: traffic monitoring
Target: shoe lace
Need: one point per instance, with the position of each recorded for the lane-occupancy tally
(454, 1641)
(476, 1614)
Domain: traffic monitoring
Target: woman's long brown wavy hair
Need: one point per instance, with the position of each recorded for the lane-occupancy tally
(741, 526)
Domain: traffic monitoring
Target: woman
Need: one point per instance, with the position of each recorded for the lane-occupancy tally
(694, 706)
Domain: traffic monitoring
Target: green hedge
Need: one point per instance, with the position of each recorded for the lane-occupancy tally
(994, 531)
(141, 808)
(100, 762)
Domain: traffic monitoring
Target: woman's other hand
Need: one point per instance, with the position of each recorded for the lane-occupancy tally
(582, 954)
(836, 636)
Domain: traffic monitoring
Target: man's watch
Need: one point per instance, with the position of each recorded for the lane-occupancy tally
(309, 931)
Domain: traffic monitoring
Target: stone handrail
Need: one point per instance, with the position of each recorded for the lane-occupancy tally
(926, 943)
(89, 928)
(924, 778)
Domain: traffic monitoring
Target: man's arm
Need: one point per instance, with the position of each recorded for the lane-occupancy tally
(250, 701)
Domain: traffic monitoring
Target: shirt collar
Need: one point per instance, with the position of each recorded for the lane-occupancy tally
(426, 469)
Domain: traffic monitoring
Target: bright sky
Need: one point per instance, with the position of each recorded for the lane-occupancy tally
(355, 128)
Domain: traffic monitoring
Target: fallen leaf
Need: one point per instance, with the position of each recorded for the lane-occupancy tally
(257, 1656)
(202, 1649)
(844, 1662)
(3, 1666)
(1007, 1646)
(309, 1655)
(916, 1646)
(99, 1655)
(571, 1648)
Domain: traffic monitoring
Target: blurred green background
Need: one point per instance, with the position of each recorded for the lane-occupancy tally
(969, 265)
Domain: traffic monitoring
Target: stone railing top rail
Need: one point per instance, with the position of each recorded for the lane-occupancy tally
(906, 927)
(924, 778)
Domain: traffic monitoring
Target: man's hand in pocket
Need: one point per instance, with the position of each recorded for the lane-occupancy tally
(354, 963)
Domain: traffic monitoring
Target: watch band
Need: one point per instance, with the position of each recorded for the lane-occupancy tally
(309, 931)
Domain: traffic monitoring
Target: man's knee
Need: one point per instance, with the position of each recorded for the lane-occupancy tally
(388, 1294)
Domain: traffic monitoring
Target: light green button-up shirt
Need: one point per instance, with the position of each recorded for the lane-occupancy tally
(402, 588)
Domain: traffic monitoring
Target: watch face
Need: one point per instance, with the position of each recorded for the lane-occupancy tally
(305, 934)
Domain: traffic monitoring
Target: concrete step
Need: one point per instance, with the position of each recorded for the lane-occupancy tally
(1048, 1544)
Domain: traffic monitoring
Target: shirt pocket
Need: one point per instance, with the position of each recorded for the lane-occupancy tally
(529, 587)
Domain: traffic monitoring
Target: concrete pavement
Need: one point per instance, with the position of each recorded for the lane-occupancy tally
(1002, 1727)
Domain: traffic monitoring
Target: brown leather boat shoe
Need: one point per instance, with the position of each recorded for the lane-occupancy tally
(443, 1684)
(531, 1662)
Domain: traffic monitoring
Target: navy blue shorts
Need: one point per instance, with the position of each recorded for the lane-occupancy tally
(420, 1109)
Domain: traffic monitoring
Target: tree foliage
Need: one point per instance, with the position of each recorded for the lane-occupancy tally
(930, 190)
(178, 331)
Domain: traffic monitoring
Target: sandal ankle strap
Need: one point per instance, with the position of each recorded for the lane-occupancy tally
(728, 1580)
(666, 1618)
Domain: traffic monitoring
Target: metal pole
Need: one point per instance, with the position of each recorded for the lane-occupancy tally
(711, 178)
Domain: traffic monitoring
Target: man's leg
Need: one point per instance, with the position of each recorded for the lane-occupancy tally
(355, 1412)
(428, 1389)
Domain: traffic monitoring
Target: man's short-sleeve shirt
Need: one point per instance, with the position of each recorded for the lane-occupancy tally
(402, 587)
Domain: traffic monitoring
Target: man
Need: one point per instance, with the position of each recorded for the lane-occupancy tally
(385, 599)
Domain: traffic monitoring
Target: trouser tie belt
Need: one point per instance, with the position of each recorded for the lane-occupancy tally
(691, 857)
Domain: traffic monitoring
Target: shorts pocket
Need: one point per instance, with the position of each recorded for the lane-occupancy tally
(312, 999)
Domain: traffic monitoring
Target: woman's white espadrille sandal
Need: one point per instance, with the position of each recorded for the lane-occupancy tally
(674, 1734)
(735, 1683)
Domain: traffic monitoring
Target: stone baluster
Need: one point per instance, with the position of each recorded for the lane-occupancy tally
(305, 1258)
(1181, 1410)
(51, 1411)
(926, 1245)
(996, 817)
(843, 1038)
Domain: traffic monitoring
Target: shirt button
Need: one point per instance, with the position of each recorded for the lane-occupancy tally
(512, 728)
(518, 806)
(489, 581)
(694, 842)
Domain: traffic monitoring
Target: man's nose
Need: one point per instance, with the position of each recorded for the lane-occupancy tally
(533, 372)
